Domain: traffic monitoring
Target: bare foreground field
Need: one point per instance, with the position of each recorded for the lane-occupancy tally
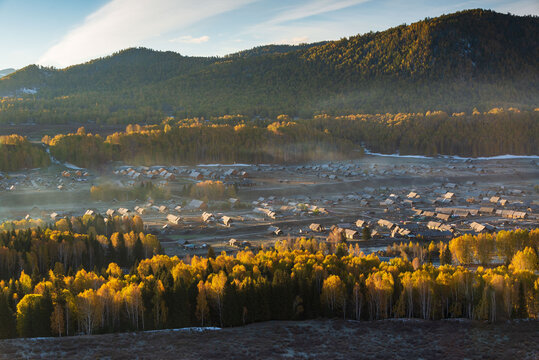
(315, 339)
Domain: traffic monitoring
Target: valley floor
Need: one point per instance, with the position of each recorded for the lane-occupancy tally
(314, 339)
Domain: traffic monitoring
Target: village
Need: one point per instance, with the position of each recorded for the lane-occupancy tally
(373, 201)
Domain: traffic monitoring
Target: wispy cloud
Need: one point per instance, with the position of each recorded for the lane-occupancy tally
(124, 23)
(524, 7)
(295, 40)
(296, 24)
(313, 8)
(191, 40)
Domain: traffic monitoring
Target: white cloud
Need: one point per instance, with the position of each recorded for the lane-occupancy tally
(191, 40)
(125, 23)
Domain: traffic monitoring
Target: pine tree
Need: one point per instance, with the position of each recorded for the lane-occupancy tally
(211, 252)
(110, 254)
(33, 316)
(138, 250)
(366, 233)
(7, 319)
(121, 249)
(522, 308)
(446, 258)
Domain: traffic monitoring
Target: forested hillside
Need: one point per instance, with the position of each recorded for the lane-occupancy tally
(471, 59)
(272, 49)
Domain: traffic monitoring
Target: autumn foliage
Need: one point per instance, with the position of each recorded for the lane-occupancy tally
(297, 279)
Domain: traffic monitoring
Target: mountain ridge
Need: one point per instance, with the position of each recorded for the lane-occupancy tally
(7, 71)
(455, 62)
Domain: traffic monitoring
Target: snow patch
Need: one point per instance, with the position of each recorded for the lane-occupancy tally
(404, 320)
(216, 165)
(368, 152)
(187, 330)
(67, 165)
(498, 157)
(28, 91)
(72, 167)
(455, 157)
(460, 320)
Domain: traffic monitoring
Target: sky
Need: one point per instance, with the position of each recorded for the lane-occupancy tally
(61, 33)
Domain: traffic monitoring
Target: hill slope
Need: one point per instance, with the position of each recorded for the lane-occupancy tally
(455, 62)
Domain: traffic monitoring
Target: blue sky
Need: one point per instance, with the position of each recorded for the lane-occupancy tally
(65, 32)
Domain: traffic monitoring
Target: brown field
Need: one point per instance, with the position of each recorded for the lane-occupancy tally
(315, 339)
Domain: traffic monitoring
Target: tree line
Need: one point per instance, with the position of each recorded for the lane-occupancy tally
(236, 138)
(95, 224)
(89, 242)
(296, 279)
(16, 153)
(495, 132)
(185, 142)
(231, 139)
(482, 249)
